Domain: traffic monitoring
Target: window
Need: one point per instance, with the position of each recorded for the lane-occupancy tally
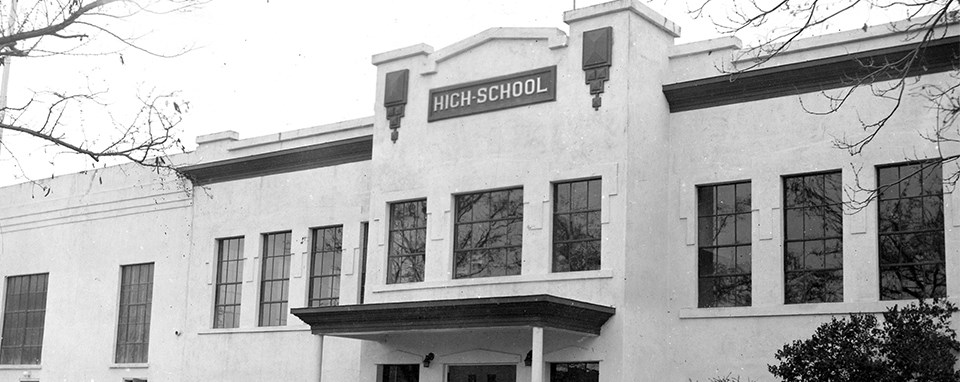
(489, 233)
(275, 279)
(408, 241)
(400, 373)
(133, 326)
(576, 226)
(24, 312)
(325, 266)
(724, 245)
(813, 222)
(364, 235)
(911, 231)
(226, 310)
(575, 372)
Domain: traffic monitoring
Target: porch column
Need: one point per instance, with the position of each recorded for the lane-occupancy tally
(320, 359)
(536, 373)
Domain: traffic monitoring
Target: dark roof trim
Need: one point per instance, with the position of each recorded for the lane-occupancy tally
(516, 311)
(278, 162)
(804, 77)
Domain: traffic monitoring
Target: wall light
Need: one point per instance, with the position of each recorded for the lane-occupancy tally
(426, 359)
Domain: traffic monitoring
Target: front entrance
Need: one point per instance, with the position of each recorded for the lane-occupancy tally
(482, 373)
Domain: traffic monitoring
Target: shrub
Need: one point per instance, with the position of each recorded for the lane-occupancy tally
(914, 343)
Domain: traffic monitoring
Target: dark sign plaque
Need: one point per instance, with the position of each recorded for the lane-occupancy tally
(518, 89)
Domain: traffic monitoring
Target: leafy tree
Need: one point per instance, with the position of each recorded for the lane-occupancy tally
(915, 343)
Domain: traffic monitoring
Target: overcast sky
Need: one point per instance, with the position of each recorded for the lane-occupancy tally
(260, 67)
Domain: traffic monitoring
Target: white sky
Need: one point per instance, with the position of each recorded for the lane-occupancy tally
(262, 66)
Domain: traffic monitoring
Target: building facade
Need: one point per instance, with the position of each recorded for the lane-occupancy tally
(527, 204)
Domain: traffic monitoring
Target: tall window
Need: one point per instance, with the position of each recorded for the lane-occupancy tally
(576, 226)
(133, 326)
(813, 221)
(408, 241)
(325, 266)
(23, 317)
(364, 235)
(911, 231)
(229, 282)
(489, 233)
(275, 279)
(575, 372)
(724, 245)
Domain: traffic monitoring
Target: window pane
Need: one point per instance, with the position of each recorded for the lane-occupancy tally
(133, 329)
(484, 239)
(408, 241)
(275, 276)
(812, 212)
(911, 233)
(724, 254)
(23, 320)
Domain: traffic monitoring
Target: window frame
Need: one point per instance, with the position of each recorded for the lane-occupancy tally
(148, 316)
(241, 261)
(880, 234)
(25, 311)
(554, 215)
(785, 241)
(714, 215)
(284, 301)
(552, 365)
(390, 242)
(334, 266)
(455, 224)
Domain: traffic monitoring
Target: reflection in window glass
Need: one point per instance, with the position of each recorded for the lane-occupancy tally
(488, 233)
(229, 283)
(25, 309)
(408, 242)
(575, 372)
(724, 253)
(576, 226)
(275, 279)
(325, 266)
(911, 236)
(813, 222)
(133, 325)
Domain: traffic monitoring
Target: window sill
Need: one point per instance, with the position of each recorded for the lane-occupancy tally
(501, 280)
(19, 367)
(130, 366)
(259, 329)
(824, 309)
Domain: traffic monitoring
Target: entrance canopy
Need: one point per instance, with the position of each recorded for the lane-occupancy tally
(544, 311)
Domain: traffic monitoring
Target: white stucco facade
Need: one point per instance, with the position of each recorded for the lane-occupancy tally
(649, 160)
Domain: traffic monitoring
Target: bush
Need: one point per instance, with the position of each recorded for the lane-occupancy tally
(915, 343)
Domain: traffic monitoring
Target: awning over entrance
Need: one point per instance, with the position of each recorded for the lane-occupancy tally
(543, 311)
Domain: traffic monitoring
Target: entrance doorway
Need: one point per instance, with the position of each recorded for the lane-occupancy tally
(482, 373)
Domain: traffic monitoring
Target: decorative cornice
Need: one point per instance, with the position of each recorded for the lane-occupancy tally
(282, 161)
(805, 77)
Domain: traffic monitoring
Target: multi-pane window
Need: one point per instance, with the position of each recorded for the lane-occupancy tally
(489, 233)
(23, 315)
(226, 311)
(576, 226)
(325, 266)
(364, 235)
(275, 279)
(724, 230)
(408, 241)
(911, 231)
(133, 326)
(813, 222)
(575, 372)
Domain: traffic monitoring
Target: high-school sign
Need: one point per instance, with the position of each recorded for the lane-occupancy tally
(518, 89)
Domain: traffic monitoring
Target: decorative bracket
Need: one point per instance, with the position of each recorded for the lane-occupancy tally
(395, 99)
(597, 59)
